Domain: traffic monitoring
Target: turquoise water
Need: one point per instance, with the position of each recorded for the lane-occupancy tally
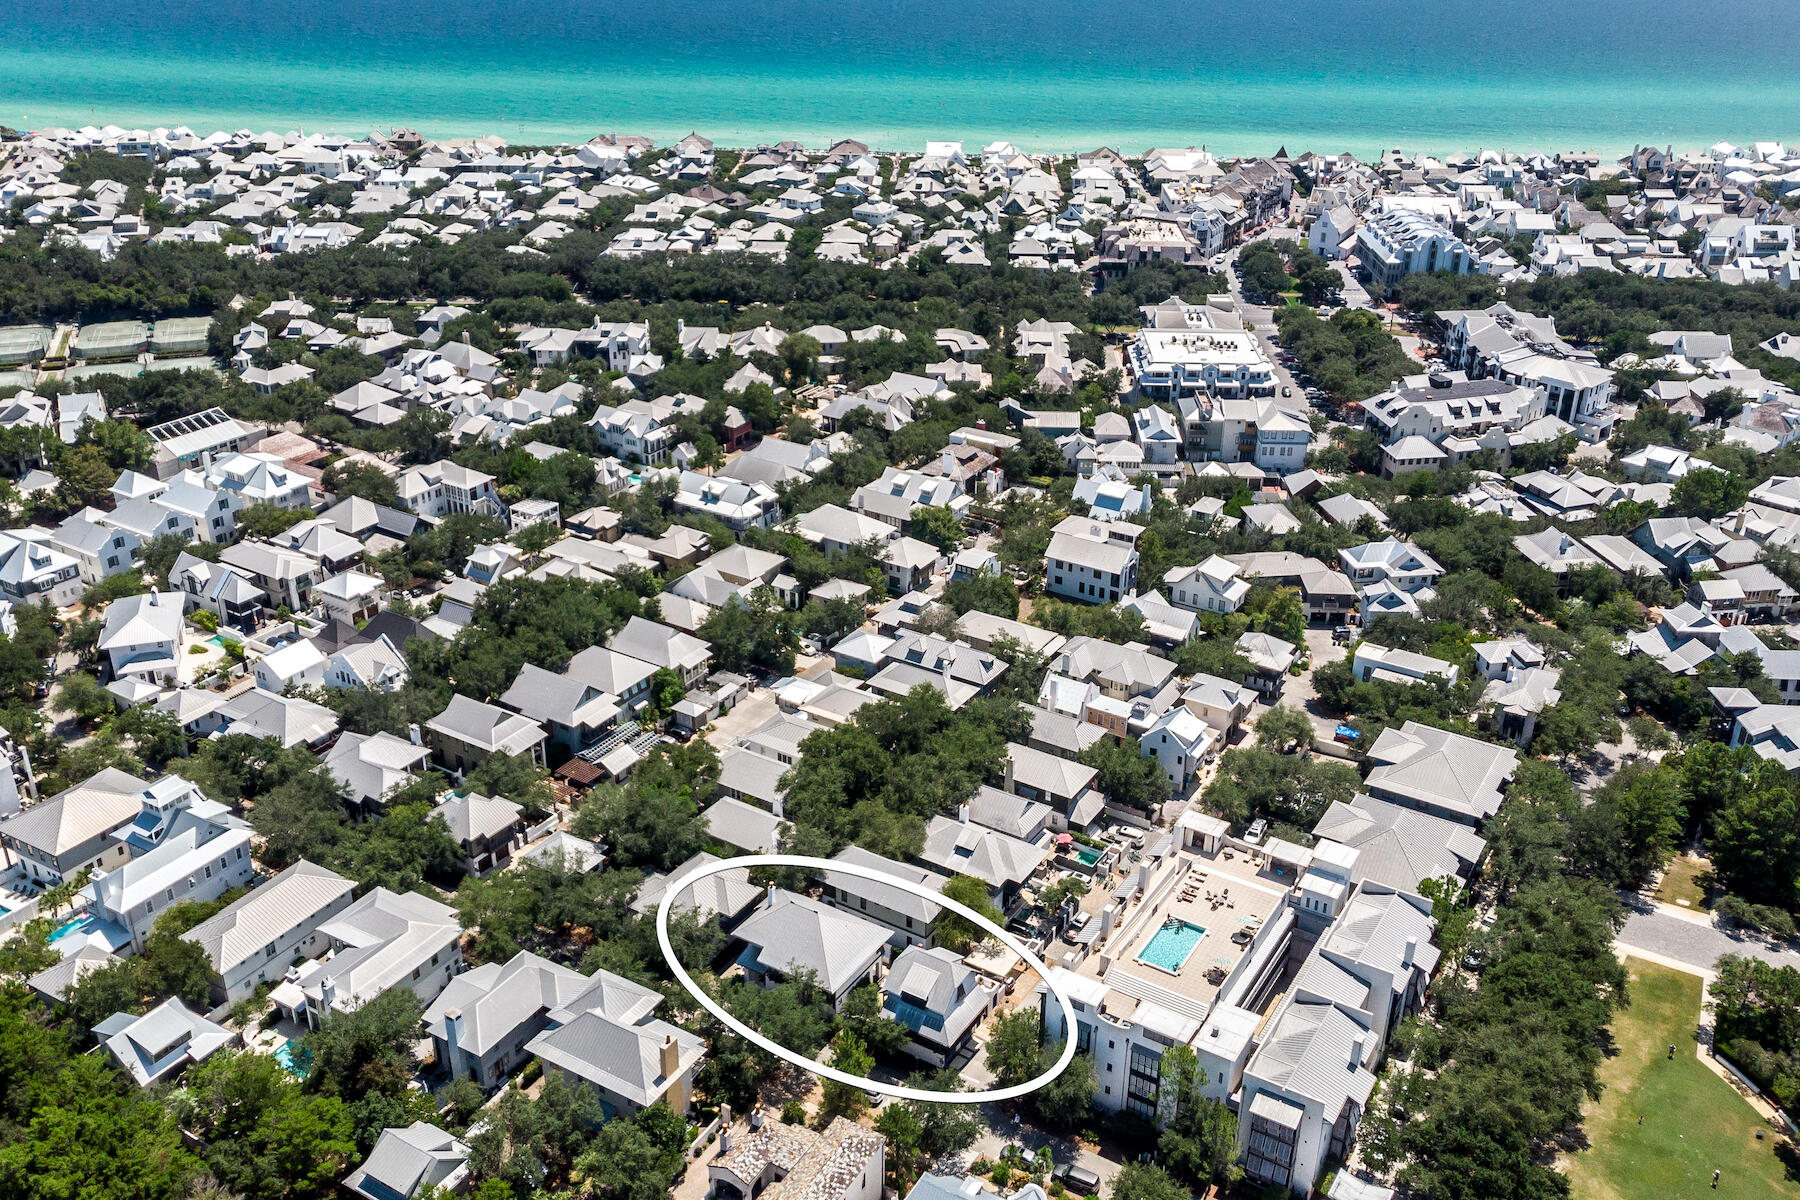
(1087, 856)
(1170, 945)
(1050, 74)
(72, 927)
(216, 640)
(284, 1054)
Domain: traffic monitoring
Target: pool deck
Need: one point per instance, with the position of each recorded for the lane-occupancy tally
(1218, 894)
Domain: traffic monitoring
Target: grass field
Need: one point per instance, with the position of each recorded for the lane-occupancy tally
(1682, 881)
(1693, 1122)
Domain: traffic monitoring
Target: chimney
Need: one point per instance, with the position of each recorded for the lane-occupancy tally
(1145, 492)
(769, 894)
(779, 808)
(1009, 772)
(981, 423)
(671, 1057)
(327, 995)
(947, 461)
(1356, 1051)
(155, 595)
(1412, 948)
(412, 734)
(453, 1020)
(962, 814)
(680, 326)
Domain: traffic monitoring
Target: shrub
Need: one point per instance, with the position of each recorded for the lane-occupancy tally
(1735, 910)
(793, 1113)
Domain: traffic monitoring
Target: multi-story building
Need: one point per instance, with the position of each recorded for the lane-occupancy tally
(441, 488)
(1404, 241)
(1502, 343)
(1092, 561)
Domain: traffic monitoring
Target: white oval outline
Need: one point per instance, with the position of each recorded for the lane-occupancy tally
(860, 871)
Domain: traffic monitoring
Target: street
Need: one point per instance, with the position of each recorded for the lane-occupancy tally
(1691, 939)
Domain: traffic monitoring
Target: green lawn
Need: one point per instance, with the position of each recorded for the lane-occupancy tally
(1693, 1122)
(1685, 879)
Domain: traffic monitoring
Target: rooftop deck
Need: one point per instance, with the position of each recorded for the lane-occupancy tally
(1223, 894)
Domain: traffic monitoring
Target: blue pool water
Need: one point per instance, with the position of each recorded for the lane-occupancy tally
(1170, 946)
(215, 640)
(284, 1054)
(74, 927)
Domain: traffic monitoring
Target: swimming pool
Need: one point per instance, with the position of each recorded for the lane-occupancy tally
(1087, 856)
(74, 927)
(1170, 945)
(284, 1054)
(216, 640)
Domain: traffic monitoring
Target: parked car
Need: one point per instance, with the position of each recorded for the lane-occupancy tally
(1286, 391)
(1079, 1180)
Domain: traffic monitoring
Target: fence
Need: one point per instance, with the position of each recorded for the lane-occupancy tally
(19, 916)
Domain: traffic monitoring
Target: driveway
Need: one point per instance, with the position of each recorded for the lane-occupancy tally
(1299, 691)
(749, 712)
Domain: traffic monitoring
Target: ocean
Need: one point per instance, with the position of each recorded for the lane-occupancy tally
(1051, 75)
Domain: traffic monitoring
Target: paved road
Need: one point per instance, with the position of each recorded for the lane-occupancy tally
(1693, 943)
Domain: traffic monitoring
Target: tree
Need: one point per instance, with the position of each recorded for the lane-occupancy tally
(899, 1124)
(985, 592)
(1127, 775)
(1708, 493)
(1755, 841)
(654, 828)
(1283, 729)
(956, 932)
(624, 1162)
(81, 694)
(85, 475)
(937, 525)
(862, 1019)
(666, 691)
(265, 520)
(944, 1129)
(1012, 1050)
(367, 1049)
(757, 633)
(1199, 1139)
(1066, 1101)
(353, 477)
(830, 620)
(1212, 656)
(264, 1137)
(1147, 1181)
(845, 1099)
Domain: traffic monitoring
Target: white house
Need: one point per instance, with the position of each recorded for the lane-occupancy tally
(1092, 561)
(143, 636)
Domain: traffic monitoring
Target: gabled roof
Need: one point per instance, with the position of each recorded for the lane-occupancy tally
(992, 857)
(475, 816)
(486, 727)
(406, 1161)
(886, 895)
(622, 1059)
(1399, 847)
(791, 933)
(495, 999)
(299, 895)
(1425, 766)
(90, 809)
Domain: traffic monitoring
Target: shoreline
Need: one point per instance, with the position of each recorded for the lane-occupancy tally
(906, 143)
